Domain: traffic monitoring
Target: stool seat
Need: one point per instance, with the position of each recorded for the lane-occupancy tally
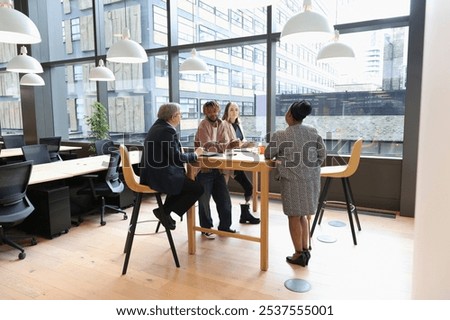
(334, 171)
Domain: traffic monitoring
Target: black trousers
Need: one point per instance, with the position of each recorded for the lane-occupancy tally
(180, 203)
(245, 182)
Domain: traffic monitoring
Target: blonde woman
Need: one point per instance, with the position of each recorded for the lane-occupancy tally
(235, 131)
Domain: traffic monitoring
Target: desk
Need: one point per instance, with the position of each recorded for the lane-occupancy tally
(245, 161)
(17, 152)
(75, 167)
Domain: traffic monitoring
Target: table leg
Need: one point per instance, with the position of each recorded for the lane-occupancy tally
(255, 190)
(191, 220)
(264, 254)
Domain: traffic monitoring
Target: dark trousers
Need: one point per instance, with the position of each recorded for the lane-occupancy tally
(215, 185)
(245, 182)
(180, 203)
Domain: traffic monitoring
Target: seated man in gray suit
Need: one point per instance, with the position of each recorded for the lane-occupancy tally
(163, 165)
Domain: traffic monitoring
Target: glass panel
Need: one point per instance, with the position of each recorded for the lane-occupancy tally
(347, 10)
(203, 22)
(78, 96)
(72, 23)
(360, 10)
(236, 74)
(146, 20)
(10, 106)
(159, 26)
(133, 98)
(70, 26)
(364, 98)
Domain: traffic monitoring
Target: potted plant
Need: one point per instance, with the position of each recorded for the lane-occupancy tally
(98, 123)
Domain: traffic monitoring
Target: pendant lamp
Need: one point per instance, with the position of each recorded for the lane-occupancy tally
(241, 4)
(23, 63)
(335, 50)
(307, 26)
(126, 50)
(31, 79)
(15, 27)
(101, 73)
(194, 65)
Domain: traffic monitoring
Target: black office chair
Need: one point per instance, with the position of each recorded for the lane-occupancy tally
(36, 152)
(14, 204)
(104, 146)
(109, 186)
(53, 145)
(13, 141)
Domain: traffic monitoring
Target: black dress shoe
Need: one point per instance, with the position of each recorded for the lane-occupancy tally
(301, 260)
(165, 219)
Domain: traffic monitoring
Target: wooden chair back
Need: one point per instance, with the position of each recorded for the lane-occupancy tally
(353, 162)
(131, 179)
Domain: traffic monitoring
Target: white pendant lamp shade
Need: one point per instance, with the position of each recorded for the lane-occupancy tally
(194, 65)
(307, 26)
(15, 27)
(126, 50)
(241, 4)
(101, 73)
(23, 63)
(335, 50)
(31, 79)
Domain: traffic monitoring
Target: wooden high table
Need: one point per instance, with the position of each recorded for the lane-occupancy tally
(244, 161)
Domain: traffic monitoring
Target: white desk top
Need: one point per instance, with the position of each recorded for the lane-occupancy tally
(17, 152)
(75, 167)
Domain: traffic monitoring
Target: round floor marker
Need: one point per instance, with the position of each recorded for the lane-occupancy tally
(297, 285)
(326, 238)
(336, 223)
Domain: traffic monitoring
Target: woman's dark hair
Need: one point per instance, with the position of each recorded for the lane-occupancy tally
(225, 113)
(300, 109)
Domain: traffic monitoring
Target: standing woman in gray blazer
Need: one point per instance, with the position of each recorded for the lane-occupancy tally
(299, 152)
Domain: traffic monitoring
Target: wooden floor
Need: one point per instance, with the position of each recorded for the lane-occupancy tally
(87, 262)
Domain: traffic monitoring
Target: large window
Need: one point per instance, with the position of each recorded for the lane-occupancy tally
(364, 99)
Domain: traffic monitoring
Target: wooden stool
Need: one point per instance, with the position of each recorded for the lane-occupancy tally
(132, 181)
(343, 172)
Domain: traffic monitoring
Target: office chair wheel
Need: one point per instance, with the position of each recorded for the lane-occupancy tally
(22, 255)
(125, 217)
(33, 241)
(103, 223)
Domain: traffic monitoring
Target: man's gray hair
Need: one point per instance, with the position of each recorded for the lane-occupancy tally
(168, 110)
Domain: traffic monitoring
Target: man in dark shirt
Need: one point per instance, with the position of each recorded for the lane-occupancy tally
(163, 165)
